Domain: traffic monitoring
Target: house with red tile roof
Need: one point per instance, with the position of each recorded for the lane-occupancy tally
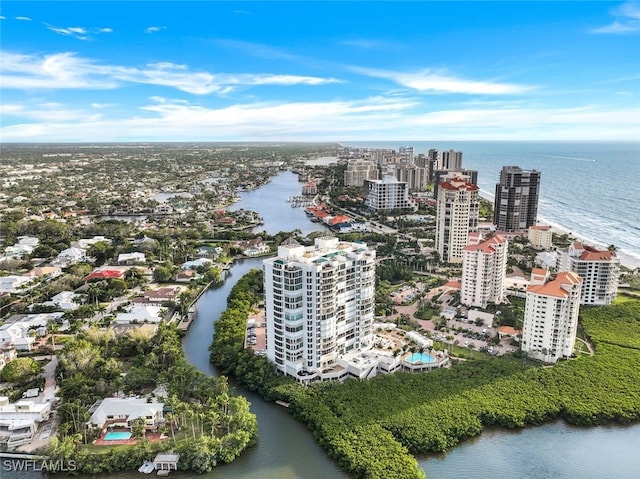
(103, 274)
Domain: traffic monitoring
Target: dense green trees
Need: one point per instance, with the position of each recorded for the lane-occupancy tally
(21, 371)
(207, 425)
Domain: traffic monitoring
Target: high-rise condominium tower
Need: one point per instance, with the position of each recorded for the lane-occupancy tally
(319, 304)
(456, 217)
(484, 268)
(516, 201)
(551, 317)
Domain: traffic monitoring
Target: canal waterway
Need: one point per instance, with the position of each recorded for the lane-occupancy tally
(270, 201)
(286, 449)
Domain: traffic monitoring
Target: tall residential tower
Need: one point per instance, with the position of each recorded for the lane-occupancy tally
(516, 201)
(551, 316)
(319, 304)
(456, 217)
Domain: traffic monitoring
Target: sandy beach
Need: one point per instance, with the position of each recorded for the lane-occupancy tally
(626, 260)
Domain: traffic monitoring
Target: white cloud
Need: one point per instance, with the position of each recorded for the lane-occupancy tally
(627, 19)
(24, 19)
(438, 82)
(367, 119)
(153, 29)
(56, 71)
(80, 33)
(47, 113)
(67, 70)
(2, 17)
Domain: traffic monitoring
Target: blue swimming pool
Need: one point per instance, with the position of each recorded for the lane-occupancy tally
(424, 358)
(117, 436)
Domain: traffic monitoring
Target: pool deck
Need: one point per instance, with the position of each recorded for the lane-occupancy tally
(152, 436)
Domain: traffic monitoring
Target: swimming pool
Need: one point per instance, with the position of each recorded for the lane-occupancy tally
(117, 436)
(423, 358)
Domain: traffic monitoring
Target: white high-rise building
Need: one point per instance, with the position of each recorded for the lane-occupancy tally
(484, 267)
(599, 270)
(360, 170)
(551, 317)
(319, 304)
(388, 194)
(456, 217)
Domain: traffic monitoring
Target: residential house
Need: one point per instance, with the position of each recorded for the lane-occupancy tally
(22, 329)
(71, 256)
(186, 275)
(140, 314)
(19, 421)
(197, 263)
(122, 412)
(158, 297)
(13, 284)
(103, 274)
(65, 300)
(47, 272)
(131, 258)
(252, 247)
(86, 243)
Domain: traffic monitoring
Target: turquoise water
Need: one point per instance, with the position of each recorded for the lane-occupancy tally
(117, 436)
(423, 358)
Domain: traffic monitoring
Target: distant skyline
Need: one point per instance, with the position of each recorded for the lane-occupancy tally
(86, 71)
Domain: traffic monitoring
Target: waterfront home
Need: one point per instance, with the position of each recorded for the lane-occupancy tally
(157, 297)
(252, 247)
(19, 421)
(122, 412)
(197, 263)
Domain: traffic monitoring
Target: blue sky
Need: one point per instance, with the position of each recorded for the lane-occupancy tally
(325, 71)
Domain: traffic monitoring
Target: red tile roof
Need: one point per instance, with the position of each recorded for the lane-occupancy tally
(555, 287)
(458, 184)
(104, 274)
(487, 246)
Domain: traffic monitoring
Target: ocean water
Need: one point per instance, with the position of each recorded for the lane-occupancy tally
(587, 188)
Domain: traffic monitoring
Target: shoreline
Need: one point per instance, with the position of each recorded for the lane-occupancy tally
(627, 260)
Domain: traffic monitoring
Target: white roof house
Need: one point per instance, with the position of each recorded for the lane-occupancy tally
(65, 300)
(19, 421)
(12, 284)
(195, 264)
(140, 314)
(126, 410)
(73, 255)
(85, 243)
(18, 331)
(131, 258)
